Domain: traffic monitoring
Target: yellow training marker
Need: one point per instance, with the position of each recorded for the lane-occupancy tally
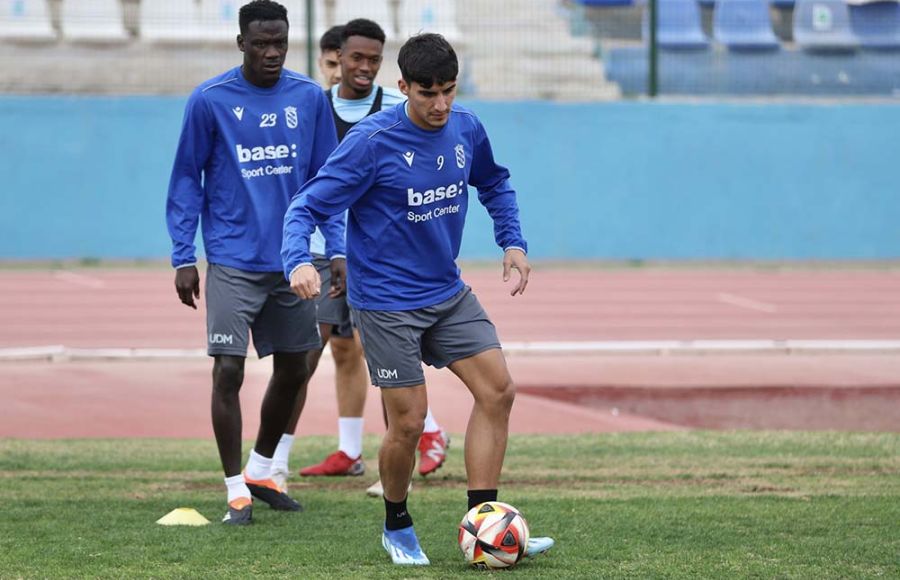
(183, 517)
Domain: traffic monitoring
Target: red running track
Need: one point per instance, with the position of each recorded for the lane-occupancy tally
(95, 308)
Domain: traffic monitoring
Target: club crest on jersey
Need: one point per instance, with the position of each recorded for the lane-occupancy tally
(460, 156)
(290, 116)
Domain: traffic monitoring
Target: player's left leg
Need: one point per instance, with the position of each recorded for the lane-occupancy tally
(280, 463)
(487, 377)
(466, 341)
(286, 327)
(289, 374)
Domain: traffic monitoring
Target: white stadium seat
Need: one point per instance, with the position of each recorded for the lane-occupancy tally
(428, 16)
(169, 21)
(25, 20)
(92, 20)
(219, 20)
(377, 10)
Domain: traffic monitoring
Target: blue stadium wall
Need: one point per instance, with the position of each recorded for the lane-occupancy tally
(86, 177)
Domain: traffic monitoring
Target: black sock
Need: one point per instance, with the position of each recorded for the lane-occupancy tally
(396, 516)
(477, 496)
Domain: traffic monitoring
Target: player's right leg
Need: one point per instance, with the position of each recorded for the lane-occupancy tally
(351, 382)
(396, 459)
(392, 345)
(231, 301)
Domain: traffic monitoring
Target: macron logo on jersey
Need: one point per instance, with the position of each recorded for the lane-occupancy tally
(409, 157)
(248, 154)
(238, 112)
(429, 196)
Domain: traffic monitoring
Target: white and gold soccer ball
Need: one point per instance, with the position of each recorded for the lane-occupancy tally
(493, 535)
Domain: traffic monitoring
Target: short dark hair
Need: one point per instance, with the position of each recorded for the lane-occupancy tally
(331, 40)
(261, 10)
(428, 59)
(362, 27)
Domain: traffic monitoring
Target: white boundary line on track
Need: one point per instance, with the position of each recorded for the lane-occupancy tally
(60, 353)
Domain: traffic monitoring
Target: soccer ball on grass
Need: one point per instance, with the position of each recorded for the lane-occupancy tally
(493, 535)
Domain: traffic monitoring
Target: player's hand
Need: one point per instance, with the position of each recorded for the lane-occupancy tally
(187, 285)
(338, 277)
(515, 259)
(305, 282)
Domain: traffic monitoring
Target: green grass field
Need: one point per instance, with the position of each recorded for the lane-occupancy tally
(674, 505)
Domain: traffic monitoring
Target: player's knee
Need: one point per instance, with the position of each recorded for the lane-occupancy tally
(345, 351)
(499, 396)
(291, 371)
(506, 393)
(228, 374)
(408, 427)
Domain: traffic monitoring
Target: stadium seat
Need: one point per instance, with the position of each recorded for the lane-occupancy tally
(782, 3)
(92, 20)
(377, 10)
(169, 21)
(678, 25)
(25, 20)
(218, 20)
(428, 16)
(297, 17)
(744, 25)
(604, 3)
(876, 24)
(823, 25)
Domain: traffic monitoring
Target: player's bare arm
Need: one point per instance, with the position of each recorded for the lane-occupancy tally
(305, 282)
(187, 285)
(515, 259)
(338, 277)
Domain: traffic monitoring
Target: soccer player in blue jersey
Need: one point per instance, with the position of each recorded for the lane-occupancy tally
(250, 138)
(329, 47)
(404, 175)
(355, 97)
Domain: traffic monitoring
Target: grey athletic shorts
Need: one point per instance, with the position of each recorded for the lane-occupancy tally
(396, 342)
(238, 301)
(332, 311)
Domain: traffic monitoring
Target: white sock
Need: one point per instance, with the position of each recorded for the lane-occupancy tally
(258, 467)
(236, 487)
(430, 424)
(350, 433)
(283, 452)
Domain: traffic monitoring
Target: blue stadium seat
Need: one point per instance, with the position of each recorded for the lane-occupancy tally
(744, 25)
(782, 3)
(823, 25)
(677, 26)
(877, 24)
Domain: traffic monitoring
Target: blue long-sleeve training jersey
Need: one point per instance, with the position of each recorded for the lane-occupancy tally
(243, 152)
(407, 192)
